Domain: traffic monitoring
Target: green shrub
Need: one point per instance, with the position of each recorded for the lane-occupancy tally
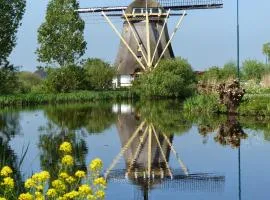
(28, 81)
(253, 69)
(172, 78)
(98, 74)
(65, 79)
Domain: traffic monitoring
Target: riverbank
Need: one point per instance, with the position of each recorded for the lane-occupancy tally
(55, 98)
(251, 105)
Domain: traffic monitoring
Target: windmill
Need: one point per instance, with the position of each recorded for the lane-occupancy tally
(145, 39)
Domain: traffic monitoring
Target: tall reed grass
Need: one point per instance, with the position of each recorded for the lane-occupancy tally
(83, 96)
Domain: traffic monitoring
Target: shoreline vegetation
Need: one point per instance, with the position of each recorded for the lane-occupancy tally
(59, 98)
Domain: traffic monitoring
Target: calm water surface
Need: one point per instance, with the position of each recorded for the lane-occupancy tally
(151, 150)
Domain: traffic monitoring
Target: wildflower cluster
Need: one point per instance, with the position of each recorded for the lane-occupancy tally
(86, 185)
(6, 182)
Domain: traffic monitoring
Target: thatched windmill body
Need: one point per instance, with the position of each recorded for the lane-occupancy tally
(145, 39)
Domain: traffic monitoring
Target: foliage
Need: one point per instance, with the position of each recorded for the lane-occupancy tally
(8, 79)
(65, 79)
(203, 104)
(94, 117)
(172, 78)
(11, 14)
(266, 51)
(82, 96)
(251, 105)
(61, 35)
(28, 81)
(83, 184)
(98, 74)
(217, 74)
(253, 69)
(164, 115)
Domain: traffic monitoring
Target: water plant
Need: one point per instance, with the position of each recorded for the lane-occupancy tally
(83, 184)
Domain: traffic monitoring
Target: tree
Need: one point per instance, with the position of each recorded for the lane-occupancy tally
(61, 36)
(266, 51)
(172, 78)
(11, 13)
(65, 79)
(28, 80)
(98, 74)
(8, 79)
(253, 69)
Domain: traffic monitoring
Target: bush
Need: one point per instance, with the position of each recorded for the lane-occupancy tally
(253, 69)
(172, 78)
(28, 81)
(98, 74)
(65, 79)
(217, 74)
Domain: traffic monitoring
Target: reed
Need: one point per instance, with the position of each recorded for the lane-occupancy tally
(56, 98)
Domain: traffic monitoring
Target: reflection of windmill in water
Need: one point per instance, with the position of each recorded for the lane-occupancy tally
(146, 152)
(145, 39)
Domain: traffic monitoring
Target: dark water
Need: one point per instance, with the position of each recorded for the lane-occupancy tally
(188, 156)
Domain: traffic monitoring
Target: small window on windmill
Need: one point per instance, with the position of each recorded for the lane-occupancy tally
(137, 11)
(139, 49)
(155, 10)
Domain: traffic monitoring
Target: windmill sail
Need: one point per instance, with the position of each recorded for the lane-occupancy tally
(166, 4)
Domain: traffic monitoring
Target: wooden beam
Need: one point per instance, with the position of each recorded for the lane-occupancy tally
(123, 40)
(172, 36)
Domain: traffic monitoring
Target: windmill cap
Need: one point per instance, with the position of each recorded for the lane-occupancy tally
(142, 4)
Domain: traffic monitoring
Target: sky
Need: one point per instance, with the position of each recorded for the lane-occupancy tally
(206, 38)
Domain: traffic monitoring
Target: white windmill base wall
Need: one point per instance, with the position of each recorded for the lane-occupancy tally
(123, 81)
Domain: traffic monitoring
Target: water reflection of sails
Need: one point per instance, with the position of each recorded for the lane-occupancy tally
(146, 152)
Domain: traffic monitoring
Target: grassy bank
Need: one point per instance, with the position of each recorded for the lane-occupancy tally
(251, 105)
(83, 96)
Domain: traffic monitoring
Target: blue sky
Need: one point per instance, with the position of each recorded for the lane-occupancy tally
(206, 37)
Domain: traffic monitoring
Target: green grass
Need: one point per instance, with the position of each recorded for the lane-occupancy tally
(82, 96)
(251, 105)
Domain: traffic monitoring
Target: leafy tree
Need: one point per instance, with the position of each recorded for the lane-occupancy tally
(229, 70)
(266, 51)
(65, 79)
(172, 78)
(11, 13)
(8, 79)
(253, 69)
(28, 80)
(98, 74)
(61, 35)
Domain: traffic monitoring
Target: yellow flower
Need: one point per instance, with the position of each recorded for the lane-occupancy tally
(80, 174)
(59, 185)
(6, 171)
(85, 190)
(100, 194)
(25, 196)
(63, 175)
(96, 164)
(71, 195)
(66, 147)
(70, 179)
(2, 198)
(29, 183)
(100, 181)
(8, 182)
(39, 187)
(51, 193)
(39, 196)
(67, 160)
(41, 176)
